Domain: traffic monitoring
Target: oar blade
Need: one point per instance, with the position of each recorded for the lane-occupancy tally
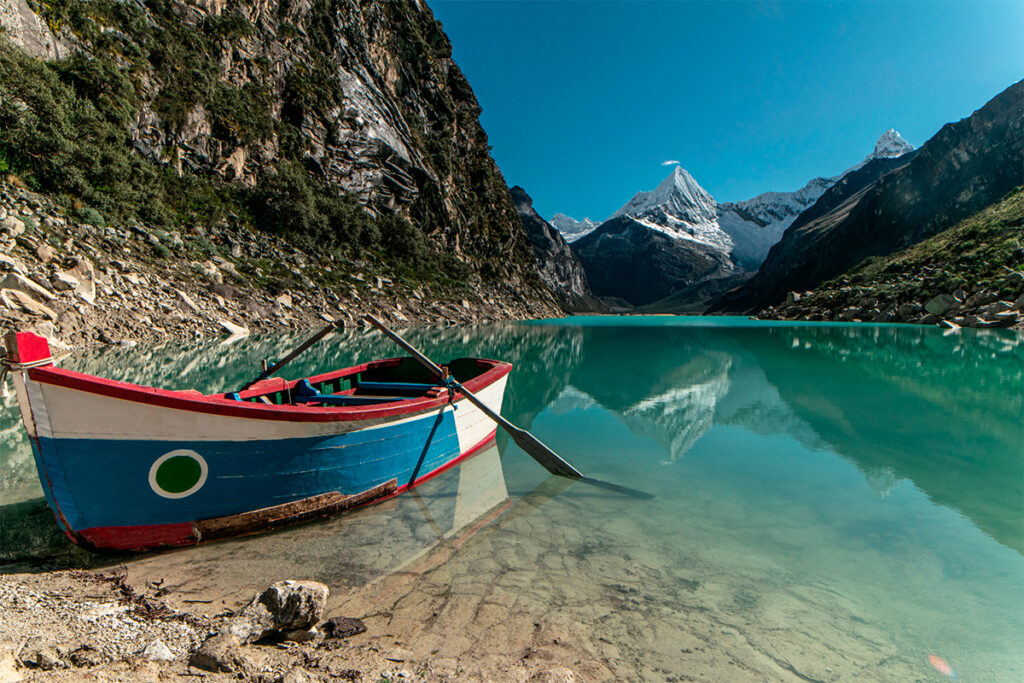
(542, 454)
(524, 439)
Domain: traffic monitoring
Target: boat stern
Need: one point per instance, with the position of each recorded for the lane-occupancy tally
(25, 350)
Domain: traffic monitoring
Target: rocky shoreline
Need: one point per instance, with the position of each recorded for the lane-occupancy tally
(94, 626)
(82, 283)
(981, 308)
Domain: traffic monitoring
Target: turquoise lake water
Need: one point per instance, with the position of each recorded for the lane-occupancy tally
(832, 502)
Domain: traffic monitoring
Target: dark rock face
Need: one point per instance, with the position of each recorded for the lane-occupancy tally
(850, 184)
(364, 95)
(627, 260)
(559, 267)
(965, 167)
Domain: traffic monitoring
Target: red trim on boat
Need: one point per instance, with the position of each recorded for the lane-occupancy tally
(216, 405)
(140, 537)
(27, 347)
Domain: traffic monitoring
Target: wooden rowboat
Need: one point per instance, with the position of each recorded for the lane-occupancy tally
(130, 467)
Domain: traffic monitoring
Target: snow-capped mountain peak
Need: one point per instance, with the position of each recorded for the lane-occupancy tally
(680, 208)
(571, 228)
(756, 224)
(890, 146)
(678, 195)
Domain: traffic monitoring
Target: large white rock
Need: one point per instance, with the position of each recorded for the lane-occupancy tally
(63, 282)
(27, 30)
(16, 299)
(284, 606)
(10, 225)
(23, 284)
(85, 274)
(233, 329)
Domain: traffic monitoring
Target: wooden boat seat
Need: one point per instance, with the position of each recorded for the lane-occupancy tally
(336, 400)
(397, 386)
(305, 392)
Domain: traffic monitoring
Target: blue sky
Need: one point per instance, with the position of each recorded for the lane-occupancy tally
(583, 101)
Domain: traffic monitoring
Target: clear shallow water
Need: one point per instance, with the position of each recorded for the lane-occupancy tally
(832, 503)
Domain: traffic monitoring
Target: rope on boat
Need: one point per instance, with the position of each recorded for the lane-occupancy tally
(8, 365)
(449, 382)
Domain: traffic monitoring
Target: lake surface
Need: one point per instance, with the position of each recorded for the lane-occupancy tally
(832, 502)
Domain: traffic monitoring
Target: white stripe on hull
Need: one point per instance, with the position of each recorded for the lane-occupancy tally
(471, 425)
(60, 412)
(21, 391)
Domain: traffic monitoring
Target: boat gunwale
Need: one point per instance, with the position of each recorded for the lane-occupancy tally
(216, 404)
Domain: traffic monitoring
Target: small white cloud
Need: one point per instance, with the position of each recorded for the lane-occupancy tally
(670, 162)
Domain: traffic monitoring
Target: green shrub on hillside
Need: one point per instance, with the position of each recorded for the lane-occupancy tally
(287, 201)
(91, 216)
(64, 128)
(983, 251)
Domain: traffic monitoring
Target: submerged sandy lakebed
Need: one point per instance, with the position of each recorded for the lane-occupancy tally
(830, 503)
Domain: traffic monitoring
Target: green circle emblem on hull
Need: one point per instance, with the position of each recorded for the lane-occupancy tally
(178, 473)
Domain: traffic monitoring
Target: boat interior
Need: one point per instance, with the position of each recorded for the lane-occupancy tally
(377, 382)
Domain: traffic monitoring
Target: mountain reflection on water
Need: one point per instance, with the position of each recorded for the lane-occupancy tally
(902, 403)
(945, 411)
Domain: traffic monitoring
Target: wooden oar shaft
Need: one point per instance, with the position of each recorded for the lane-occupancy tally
(295, 353)
(416, 353)
(528, 442)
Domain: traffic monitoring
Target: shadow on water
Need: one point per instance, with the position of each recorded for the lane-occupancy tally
(353, 550)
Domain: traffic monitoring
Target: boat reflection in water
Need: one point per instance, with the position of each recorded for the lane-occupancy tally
(345, 552)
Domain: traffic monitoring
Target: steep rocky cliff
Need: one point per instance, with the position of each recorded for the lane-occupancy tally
(559, 267)
(965, 167)
(344, 123)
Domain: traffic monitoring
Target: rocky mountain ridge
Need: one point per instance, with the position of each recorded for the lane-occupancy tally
(742, 233)
(965, 167)
(339, 123)
(756, 224)
(626, 260)
(971, 275)
(570, 228)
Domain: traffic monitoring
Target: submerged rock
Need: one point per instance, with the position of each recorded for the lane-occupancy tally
(343, 627)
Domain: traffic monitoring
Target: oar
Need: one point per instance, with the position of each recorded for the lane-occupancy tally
(335, 325)
(524, 439)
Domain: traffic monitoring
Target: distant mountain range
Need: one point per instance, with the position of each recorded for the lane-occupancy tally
(571, 228)
(677, 236)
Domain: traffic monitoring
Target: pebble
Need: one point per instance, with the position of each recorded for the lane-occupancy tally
(157, 651)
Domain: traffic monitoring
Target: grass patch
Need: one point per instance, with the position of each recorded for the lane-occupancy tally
(980, 252)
